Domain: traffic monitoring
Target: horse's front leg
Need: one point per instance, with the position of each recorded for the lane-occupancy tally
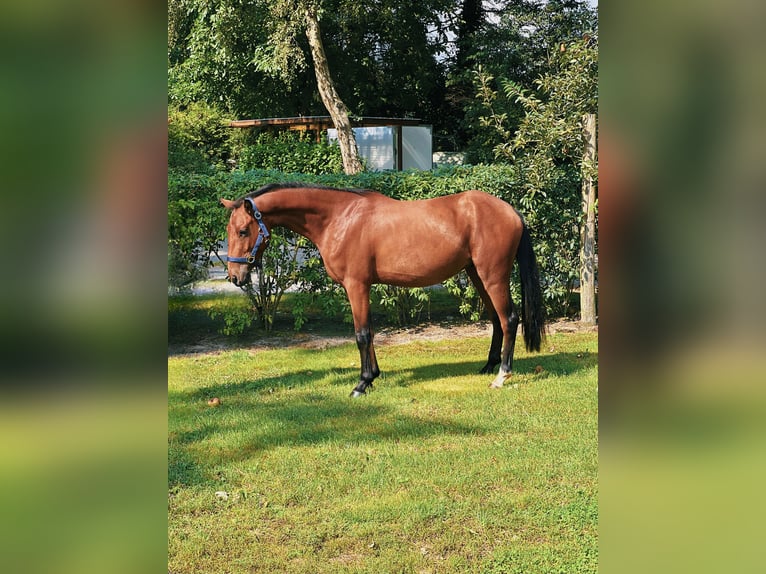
(359, 297)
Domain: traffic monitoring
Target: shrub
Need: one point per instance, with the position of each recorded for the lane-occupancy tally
(290, 152)
(281, 270)
(402, 305)
(197, 223)
(317, 290)
(196, 226)
(198, 138)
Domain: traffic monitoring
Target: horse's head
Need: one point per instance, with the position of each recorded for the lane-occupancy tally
(248, 237)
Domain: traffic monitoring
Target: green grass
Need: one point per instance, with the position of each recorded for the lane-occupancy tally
(431, 472)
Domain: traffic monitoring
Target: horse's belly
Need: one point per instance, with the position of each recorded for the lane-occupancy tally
(418, 248)
(417, 271)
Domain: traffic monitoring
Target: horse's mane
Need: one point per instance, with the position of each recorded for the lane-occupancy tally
(295, 185)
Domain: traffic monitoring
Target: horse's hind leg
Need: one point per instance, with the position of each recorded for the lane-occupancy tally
(494, 357)
(500, 294)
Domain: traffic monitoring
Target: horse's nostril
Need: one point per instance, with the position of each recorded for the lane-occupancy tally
(233, 279)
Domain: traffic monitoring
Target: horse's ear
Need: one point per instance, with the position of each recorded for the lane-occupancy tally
(249, 207)
(227, 203)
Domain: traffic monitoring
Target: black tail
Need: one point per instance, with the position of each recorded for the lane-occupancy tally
(532, 308)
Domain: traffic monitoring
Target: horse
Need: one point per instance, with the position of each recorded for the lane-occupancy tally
(365, 237)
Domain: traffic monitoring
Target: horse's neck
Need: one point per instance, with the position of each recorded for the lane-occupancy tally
(307, 211)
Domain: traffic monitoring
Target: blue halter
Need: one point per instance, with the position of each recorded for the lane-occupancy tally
(263, 235)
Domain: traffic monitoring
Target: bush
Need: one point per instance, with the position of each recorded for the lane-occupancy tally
(197, 223)
(290, 152)
(196, 226)
(281, 270)
(198, 138)
(402, 305)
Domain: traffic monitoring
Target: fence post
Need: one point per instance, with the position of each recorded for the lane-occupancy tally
(588, 243)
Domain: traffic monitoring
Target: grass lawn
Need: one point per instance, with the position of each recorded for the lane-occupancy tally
(431, 472)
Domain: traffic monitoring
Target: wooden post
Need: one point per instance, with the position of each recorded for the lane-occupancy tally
(588, 236)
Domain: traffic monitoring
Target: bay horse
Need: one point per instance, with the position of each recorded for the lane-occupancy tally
(365, 237)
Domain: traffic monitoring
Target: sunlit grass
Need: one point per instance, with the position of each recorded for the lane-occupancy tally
(431, 472)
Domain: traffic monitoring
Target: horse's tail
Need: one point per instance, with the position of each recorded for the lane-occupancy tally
(532, 308)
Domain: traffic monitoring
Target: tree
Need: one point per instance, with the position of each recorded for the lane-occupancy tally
(210, 59)
(247, 58)
(397, 57)
(328, 93)
(512, 39)
(282, 56)
(555, 135)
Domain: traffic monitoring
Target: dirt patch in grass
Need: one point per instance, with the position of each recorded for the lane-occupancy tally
(383, 337)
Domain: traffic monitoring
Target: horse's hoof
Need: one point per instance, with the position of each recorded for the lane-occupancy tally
(501, 377)
(355, 394)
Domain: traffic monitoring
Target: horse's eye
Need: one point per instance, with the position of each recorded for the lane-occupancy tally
(244, 232)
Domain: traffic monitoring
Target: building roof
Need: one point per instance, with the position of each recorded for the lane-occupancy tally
(322, 122)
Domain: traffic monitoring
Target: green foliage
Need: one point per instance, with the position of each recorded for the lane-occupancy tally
(282, 55)
(198, 138)
(515, 43)
(317, 291)
(197, 223)
(402, 305)
(252, 57)
(390, 58)
(551, 132)
(281, 270)
(210, 53)
(460, 286)
(291, 152)
(236, 320)
(548, 148)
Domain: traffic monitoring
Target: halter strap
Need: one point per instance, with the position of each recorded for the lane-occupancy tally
(263, 235)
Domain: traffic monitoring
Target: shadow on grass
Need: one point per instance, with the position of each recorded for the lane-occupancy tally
(558, 364)
(257, 416)
(250, 422)
(542, 366)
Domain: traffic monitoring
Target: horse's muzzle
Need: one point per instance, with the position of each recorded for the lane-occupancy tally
(239, 283)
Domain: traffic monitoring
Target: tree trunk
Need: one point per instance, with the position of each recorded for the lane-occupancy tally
(588, 243)
(330, 98)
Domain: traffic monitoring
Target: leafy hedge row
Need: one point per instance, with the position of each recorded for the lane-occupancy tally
(290, 151)
(200, 141)
(197, 223)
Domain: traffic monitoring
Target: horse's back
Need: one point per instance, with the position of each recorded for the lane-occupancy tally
(444, 221)
(422, 242)
(484, 200)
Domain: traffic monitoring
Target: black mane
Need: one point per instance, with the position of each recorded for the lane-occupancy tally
(294, 185)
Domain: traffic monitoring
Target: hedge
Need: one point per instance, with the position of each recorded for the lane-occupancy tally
(197, 222)
(290, 151)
